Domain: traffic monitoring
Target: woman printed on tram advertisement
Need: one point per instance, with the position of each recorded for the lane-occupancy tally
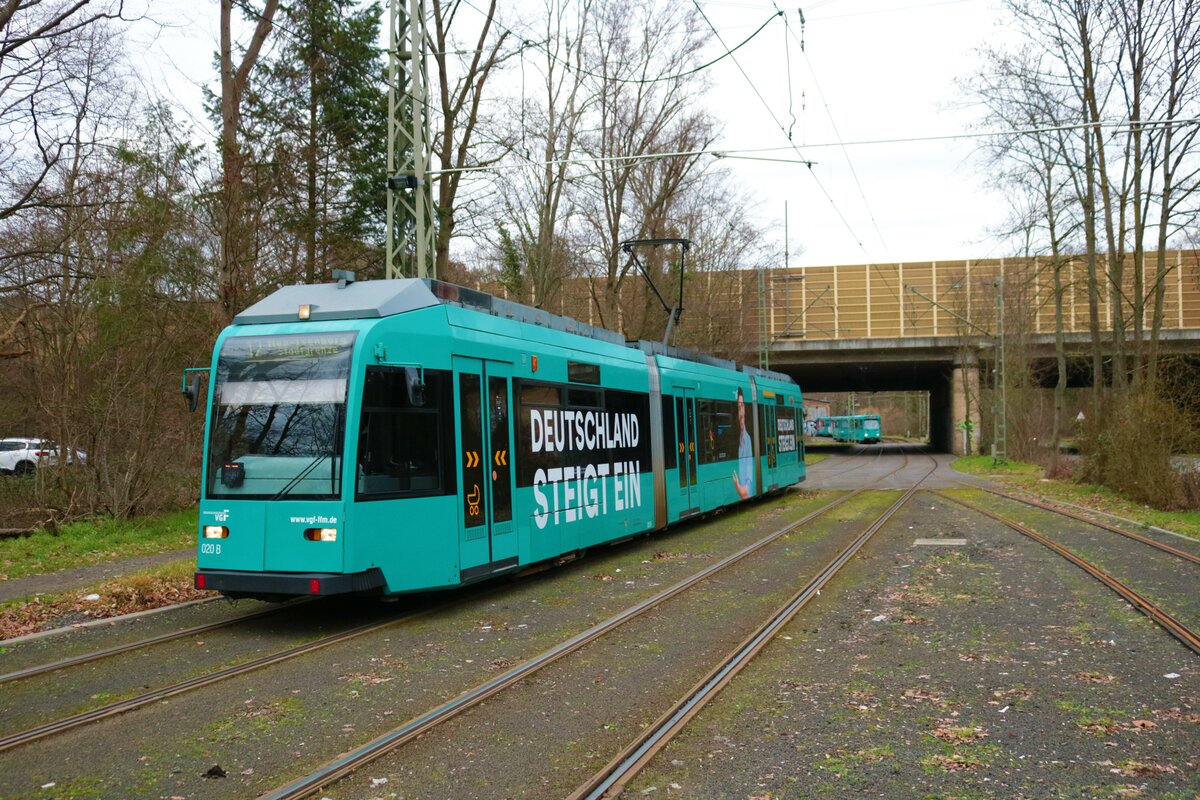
(743, 479)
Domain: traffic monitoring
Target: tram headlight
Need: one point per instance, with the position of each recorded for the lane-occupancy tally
(321, 534)
(216, 532)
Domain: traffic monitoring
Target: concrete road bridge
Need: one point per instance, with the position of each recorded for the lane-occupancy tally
(925, 326)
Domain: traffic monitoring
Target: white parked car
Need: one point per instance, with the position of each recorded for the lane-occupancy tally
(22, 456)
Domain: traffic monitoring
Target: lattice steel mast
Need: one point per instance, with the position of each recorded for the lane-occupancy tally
(1000, 384)
(410, 227)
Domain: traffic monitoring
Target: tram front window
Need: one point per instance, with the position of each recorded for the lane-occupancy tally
(871, 424)
(279, 416)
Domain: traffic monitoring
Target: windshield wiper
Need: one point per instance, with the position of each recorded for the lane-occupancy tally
(296, 480)
(313, 464)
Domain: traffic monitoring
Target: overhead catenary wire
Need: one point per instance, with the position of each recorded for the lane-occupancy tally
(828, 197)
(820, 18)
(746, 153)
(745, 75)
(663, 78)
(821, 186)
(787, 54)
(854, 174)
(837, 133)
(541, 45)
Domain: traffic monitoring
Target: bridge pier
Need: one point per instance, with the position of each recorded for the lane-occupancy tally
(964, 393)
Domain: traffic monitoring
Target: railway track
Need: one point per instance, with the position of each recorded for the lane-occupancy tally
(120, 707)
(10, 741)
(611, 779)
(1166, 548)
(97, 655)
(1179, 630)
(424, 723)
(863, 463)
(170, 636)
(16, 739)
(157, 695)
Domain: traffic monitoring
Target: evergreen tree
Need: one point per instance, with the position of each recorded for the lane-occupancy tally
(317, 116)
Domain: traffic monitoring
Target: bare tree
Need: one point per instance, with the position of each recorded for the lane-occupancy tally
(1177, 148)
(640, 54)
(44, 48)
(455, 145)
(1032, 168)
(237, 252)
(539, 202)
(1091, 62)
(721, 286)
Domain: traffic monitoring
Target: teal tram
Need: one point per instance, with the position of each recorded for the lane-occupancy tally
(859, 428)
(404, 435)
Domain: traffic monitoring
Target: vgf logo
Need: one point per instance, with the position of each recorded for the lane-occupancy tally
(220, 516)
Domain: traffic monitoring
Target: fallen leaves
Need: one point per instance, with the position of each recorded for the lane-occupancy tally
(958, 734)
(924, 695)
(1143, 769)
(1107, 726)
(1094, 677)
(368, 678)
(119, 596)
(955, 762)
(1177, 714)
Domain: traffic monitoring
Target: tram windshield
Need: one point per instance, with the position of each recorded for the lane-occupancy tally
(279, 416)
(871, 424)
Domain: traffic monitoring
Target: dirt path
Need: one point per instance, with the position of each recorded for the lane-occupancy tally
(78, 577)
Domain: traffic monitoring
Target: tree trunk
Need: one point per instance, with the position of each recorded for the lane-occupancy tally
(236, 236)
(310, 159)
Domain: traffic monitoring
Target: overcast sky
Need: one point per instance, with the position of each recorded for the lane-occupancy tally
(870, 70)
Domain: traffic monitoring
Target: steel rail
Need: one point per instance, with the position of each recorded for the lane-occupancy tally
(1166, 548)
(86, 658)
(839, 473)
(611, 780)
(1057, 502)
(1168, 622)
(347, 763)
(121, 706)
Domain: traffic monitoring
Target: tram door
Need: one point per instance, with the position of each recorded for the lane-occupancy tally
(487, 537)
(770, 439)
(685, 437)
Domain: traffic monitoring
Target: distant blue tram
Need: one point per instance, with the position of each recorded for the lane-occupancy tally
(860, 428)
(394, 436)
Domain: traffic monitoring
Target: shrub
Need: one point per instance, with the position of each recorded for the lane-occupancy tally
(1129, 447)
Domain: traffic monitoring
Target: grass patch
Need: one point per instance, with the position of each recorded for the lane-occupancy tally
(164, 585)
(982, 465)
(82, 543)
(1028, 477)
(1104, 499)
(814, 458)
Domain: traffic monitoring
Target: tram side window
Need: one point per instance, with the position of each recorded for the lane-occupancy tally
(578, 372)
(670, 445)
(531, 448)
(404, 444)
(719, 432)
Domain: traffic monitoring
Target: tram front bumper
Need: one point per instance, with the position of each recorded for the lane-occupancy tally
(288, 584)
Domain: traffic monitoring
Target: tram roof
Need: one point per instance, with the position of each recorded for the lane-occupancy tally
(384, 298)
